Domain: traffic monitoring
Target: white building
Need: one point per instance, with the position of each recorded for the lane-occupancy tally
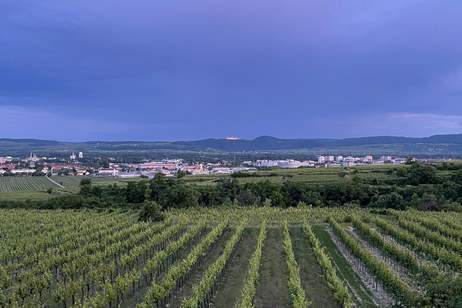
(290, 164)
(386, 159)
(73, 156)
(108, 172)
(221, 170)
(348, 163)
(339, 158)
(330, 158)
(80, 155)
(266, 163)
(321, 159)
(128, 175)
(368, 159)
(23, 171)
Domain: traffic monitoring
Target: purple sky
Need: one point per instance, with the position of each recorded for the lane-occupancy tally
(181, 69)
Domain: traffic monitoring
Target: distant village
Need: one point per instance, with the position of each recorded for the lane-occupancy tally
(75, 165)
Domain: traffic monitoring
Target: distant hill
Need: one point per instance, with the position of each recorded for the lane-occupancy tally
(433, 145)
(272, 143)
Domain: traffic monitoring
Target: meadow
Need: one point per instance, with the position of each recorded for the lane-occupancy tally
(231, 257)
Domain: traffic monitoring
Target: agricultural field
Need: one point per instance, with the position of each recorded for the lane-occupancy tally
(230, 257)
(35, 187)
(304, 175)
(25, 183)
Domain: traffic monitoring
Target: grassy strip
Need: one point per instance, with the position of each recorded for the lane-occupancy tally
(335, 283)
(363, 295)
(251, 281)
(203, 292)
(296, 292)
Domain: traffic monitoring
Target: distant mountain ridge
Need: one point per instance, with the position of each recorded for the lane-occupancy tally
(432, 144)
(273, 143)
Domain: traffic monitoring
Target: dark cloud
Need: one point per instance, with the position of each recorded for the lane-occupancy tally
(182, 69)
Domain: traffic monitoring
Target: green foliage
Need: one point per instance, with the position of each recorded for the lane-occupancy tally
(159, 290)
(446, 294)
(421, 174)
(205, 287)
(420, 244)
(151, 211)
(101, 258)
(416, 186)
(250, 285)
(341, 292)
(180, 174)
(85, 187)
(391, 200)
(296, 292)
(379, 268)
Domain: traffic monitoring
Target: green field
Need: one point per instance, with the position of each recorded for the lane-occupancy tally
(304, 175)
(35, 187)
(231, 257)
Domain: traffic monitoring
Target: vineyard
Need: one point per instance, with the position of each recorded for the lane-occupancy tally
(233, 257)
(25, 183)
(42, 183)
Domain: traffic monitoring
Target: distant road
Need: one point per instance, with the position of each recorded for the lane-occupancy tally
(54, 182)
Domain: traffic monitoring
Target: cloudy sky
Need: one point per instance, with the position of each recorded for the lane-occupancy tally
(181, 69)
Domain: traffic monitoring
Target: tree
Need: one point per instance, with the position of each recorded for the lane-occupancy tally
(428, 202)
(151, 212)
(180, 174)
(136, 192)
(180, 196)
(85, 187)
(392, 200)
(246, 197)
(147, 193)
(228, 188)
(159, 186)
(421, 174)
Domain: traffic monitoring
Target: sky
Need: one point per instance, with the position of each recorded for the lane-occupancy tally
(180, 70)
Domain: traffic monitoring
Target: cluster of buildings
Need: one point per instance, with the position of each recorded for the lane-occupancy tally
(349, 161)
(150, 168)
(327, 161)
(76, 166)
(168, 168)
(36, 165)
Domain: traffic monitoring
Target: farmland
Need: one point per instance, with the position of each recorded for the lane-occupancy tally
(230, 257)
(26, 183)
(37, 184)
(42, 183)
(35, 187)
(303, 175)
